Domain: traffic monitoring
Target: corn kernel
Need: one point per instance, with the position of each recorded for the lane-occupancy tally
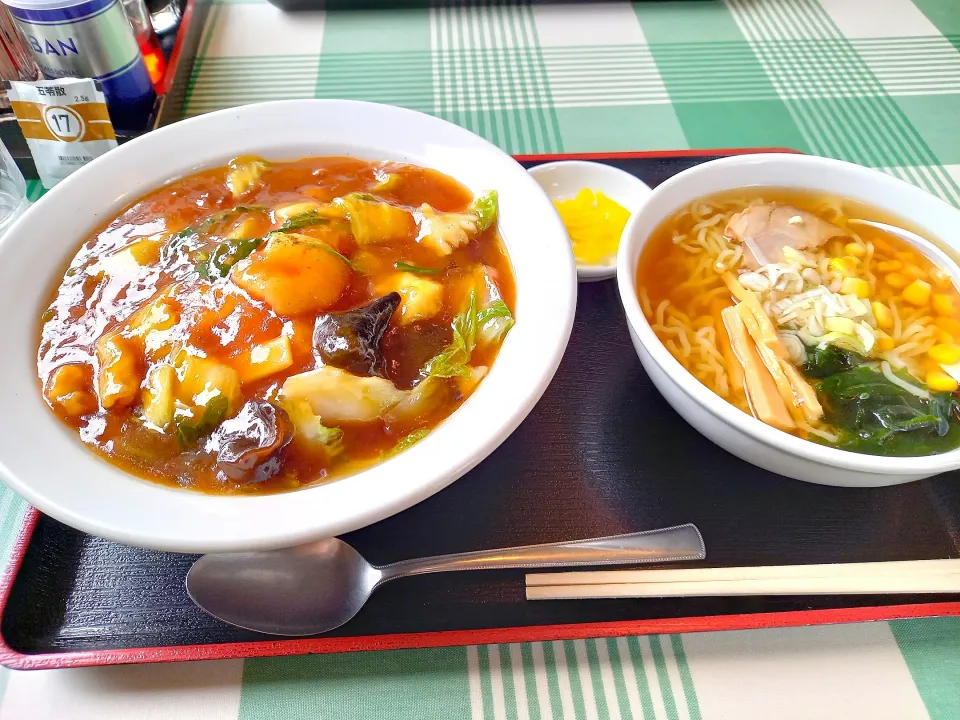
(882, 314)
(939, 381)
(855, 249)
(942, 336)
(945, 354)
(884, 342)
(846, 266)
(905, 255)
(943, 304)
(917, 293)
(941, 280)
(886, 266)
(896, 280)
(914, 272)
(855, 286)
(949, 324)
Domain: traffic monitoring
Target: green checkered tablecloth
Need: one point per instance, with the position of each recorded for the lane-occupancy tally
(872, 81)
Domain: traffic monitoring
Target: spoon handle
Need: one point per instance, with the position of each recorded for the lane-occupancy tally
(682, 542)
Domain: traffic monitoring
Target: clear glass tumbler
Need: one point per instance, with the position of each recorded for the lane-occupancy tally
(13, 190)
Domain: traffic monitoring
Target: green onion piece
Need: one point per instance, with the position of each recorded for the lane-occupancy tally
(407, 267)
(305, 219)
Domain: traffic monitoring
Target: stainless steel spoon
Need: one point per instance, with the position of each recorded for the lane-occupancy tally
(314, 588)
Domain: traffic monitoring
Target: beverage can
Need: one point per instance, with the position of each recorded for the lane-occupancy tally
(89, 39)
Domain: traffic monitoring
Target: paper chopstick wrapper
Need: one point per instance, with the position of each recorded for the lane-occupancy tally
(65, 122)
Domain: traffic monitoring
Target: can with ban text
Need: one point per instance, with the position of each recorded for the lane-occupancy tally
(89, 39)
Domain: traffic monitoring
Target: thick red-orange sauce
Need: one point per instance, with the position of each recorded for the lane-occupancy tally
(219, 321)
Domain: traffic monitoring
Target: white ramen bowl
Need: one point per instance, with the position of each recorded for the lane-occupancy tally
(45, 462)
(735, 431)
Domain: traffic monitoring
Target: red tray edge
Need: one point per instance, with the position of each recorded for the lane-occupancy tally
(404, 641)
(177, 53)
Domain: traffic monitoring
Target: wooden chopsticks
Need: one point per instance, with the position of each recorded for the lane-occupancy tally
(911, 576)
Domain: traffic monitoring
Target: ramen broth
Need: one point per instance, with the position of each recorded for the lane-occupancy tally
(836, 332)
(265, 325)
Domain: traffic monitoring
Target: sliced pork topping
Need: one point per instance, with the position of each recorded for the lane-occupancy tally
(766, 229)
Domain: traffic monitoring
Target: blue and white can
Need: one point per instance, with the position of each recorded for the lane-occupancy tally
(89, 39)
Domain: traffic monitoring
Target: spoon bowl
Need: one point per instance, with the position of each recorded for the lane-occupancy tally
(927, 248)
(285, 592)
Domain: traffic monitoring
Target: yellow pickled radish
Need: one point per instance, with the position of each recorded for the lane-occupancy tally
(945, 354)
(917, 293)
(939, 381)
(594, 223)
(882, 314)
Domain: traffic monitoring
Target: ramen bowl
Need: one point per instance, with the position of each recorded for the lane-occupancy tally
(44, 461)
(732, 429)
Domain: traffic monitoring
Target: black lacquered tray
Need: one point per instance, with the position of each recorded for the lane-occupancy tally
(602, 453)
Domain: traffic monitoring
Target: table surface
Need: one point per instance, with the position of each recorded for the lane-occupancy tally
(876, 83)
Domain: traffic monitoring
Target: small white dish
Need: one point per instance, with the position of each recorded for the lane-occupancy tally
(563, 179)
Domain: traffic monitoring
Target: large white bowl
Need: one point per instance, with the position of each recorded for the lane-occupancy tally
(731, 429)
(44, 461)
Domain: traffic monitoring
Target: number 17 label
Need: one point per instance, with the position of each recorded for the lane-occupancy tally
(64, 122)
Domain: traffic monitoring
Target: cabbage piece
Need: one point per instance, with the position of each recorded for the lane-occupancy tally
(244, 173)
(494, 322)
(375, 221)
(485, 208)
(405, 443)
(452, 362)
(309, 426)
(339, 397)
(419, 404)
(472, 327)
